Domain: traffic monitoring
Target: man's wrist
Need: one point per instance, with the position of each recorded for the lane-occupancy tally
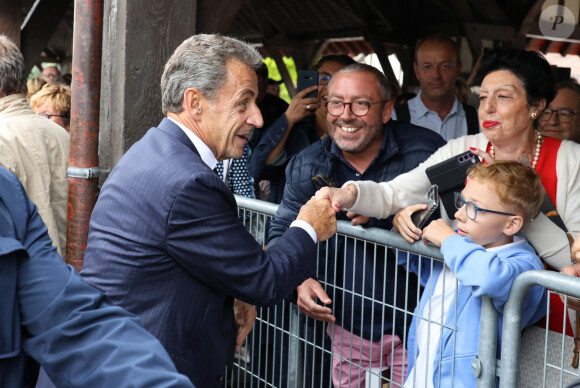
(306, 227)
(290, 121)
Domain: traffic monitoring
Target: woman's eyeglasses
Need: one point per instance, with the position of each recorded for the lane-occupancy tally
(47, 116)
(324, 78)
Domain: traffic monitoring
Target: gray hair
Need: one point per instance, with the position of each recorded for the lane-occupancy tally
(382, 81)
(200, 62)
(12, 78)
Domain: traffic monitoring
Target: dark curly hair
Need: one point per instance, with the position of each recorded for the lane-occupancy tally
(342, 59)
(530, 67)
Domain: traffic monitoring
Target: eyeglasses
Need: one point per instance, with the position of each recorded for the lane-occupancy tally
(324, 78)
(472, 209)
(443, 67)
(359, 107)
(47, 116)
(564, 115)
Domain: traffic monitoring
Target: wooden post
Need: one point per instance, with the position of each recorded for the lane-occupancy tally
(10, 20)
(138, 38)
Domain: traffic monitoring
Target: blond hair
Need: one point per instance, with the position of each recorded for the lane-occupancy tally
(518, 186)
(34, 85)
(59, 97)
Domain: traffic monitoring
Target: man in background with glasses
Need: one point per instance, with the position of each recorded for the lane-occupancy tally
(561, 119)
(437, 66)
(363, 143)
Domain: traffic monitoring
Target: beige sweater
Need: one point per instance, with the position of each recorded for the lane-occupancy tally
(37, 150)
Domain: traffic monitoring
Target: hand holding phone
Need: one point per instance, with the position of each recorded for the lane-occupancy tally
(304, 103)
(306, 79)
(421, 217)
(450, 176)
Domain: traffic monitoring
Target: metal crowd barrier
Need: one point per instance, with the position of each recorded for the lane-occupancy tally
(288, 349)
(555, 357)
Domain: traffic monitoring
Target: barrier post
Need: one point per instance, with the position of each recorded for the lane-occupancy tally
(484, 365)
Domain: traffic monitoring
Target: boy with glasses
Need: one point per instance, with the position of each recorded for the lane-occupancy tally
(483, 257)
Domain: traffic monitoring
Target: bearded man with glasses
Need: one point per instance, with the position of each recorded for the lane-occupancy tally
(363, 143)
(303, 123)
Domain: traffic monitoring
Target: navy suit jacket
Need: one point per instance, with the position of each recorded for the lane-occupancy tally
(165, 243)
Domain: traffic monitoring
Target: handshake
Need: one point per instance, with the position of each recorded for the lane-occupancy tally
(320, 211)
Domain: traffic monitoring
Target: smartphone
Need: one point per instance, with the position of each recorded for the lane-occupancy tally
(306, 79)
(421, 217)
(450, 176)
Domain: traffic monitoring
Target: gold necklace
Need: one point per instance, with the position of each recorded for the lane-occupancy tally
(539, 143)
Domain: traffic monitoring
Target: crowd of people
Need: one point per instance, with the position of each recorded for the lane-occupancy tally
(171, 277)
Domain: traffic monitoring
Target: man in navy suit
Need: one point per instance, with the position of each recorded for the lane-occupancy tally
(165, 241)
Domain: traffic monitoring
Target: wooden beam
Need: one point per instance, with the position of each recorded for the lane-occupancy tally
(537, 44)
(574, 49)
(40, 27)
(216, 16)
(556, 47)
(257, 7)
(138, 39)
(530, 20)
(405, 57)
(491, 31)
(10, 19)
(377, 44)
(303, 52)
(277, 56)
(491, 10)
(473, 41)
(318, 52)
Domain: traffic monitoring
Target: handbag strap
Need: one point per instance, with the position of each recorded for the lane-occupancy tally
(550, 211)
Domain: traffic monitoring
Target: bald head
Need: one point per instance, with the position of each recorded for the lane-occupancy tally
(50, 73)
